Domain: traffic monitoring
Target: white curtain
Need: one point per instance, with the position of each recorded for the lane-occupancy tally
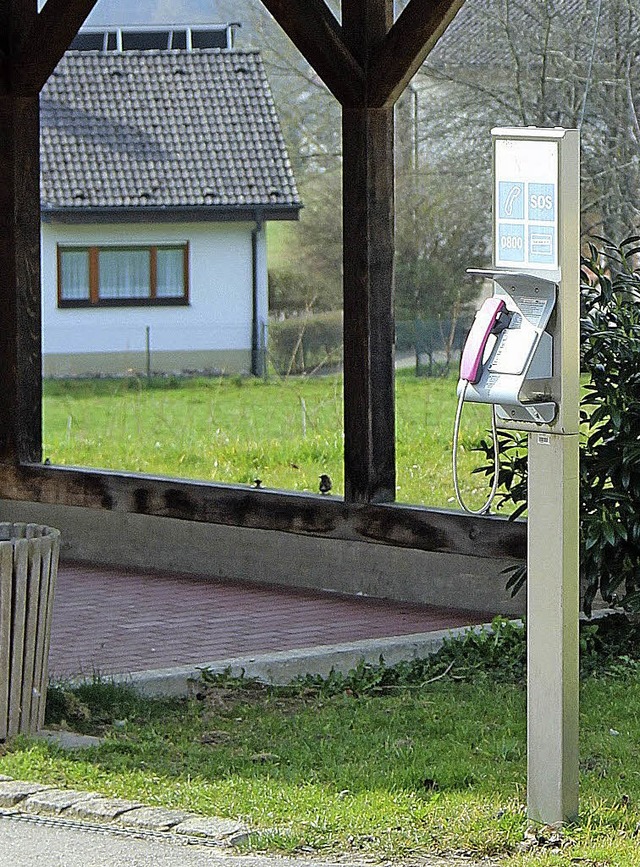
(74, 275)
(124, 274)
(170, 273)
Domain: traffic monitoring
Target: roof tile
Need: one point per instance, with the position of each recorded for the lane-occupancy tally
(168, 128)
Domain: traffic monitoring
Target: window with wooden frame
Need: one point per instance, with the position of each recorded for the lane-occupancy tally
(123, 276)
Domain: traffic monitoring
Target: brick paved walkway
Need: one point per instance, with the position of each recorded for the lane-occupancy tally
(112, 621)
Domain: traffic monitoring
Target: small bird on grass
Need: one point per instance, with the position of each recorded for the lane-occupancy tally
(325, 483)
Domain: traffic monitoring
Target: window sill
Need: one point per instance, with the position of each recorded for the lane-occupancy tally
(124, 302)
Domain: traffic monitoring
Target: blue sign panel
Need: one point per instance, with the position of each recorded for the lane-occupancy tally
(542, 245)
(511, 200)
(542, 202)
(511, 242)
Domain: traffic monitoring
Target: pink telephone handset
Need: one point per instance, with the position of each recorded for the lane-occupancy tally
(484, 323)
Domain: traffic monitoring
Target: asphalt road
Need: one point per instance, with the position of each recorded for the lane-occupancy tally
(56, 843)
(59, 844)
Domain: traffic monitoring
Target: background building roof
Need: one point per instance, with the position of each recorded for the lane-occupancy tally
(163, 130)
(479, 33)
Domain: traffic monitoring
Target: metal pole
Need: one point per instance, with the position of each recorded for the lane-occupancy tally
(552, 628)
(148, 352)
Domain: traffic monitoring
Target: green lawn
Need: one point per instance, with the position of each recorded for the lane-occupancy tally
(285, 431)
(437, 767)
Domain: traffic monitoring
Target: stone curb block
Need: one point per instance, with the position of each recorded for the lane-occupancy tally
(12, 792)
(101, 808)
(56, 801)
(155, 818)
(281, 667)
(35, 798)
(212, 828)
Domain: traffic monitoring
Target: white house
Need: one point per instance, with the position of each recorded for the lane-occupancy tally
(160, 168)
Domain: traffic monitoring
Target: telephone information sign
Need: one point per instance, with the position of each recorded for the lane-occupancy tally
(526, 206)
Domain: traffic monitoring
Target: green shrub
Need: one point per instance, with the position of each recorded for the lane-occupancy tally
(303, 343)
(610, 432)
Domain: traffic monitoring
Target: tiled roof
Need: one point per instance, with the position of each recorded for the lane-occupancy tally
(477, 35)
(162, 129)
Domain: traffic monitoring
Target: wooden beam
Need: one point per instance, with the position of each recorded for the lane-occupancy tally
(368, 242)
(20, 367)
(368, 229)
(314, 31)
(398, 56)
(365, 23)
(42, 47)
(16, 18)
(239, 506)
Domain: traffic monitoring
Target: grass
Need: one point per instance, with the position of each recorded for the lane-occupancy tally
(285, 432)
(384, 764)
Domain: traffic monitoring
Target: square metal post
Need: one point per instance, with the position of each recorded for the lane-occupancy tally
(552, 629)
(541, 168)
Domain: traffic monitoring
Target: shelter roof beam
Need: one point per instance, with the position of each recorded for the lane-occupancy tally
(396, 58)
(316, 33)
(44, 43)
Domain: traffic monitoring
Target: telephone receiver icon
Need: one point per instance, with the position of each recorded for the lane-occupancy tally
(512, 196)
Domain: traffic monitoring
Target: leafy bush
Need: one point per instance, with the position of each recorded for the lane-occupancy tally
(303, 343)
(292, 292)
(610, 432)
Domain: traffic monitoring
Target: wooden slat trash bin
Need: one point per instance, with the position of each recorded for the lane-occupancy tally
(28, 569)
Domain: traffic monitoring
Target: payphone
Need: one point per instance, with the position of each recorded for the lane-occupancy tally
(507, 360)
(517, 357)
(522, 357)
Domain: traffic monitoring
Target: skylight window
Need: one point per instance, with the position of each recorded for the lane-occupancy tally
(156, 38)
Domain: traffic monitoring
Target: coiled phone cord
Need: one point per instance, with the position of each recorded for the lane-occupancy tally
(496, 457)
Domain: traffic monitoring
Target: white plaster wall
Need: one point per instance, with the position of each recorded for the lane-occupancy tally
(220, 291)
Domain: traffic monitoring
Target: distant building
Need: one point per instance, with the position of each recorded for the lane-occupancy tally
(162, 159)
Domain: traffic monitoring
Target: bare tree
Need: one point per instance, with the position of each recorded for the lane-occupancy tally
(566, 63)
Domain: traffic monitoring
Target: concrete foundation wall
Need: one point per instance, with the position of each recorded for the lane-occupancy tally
(124, 363)
(235, 553)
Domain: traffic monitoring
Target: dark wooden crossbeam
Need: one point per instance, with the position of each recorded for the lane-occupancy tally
(399, 54)
(313, 29)
(43, 44)
(285, 511)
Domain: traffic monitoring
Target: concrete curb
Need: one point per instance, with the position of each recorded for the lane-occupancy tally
(281, 667)
(20, 799)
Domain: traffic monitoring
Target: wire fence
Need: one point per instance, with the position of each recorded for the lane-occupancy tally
(313, 344)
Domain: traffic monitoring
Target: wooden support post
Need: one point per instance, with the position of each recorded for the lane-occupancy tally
(368, 224)
(20, 349)
(368, 237)
(20, 367)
